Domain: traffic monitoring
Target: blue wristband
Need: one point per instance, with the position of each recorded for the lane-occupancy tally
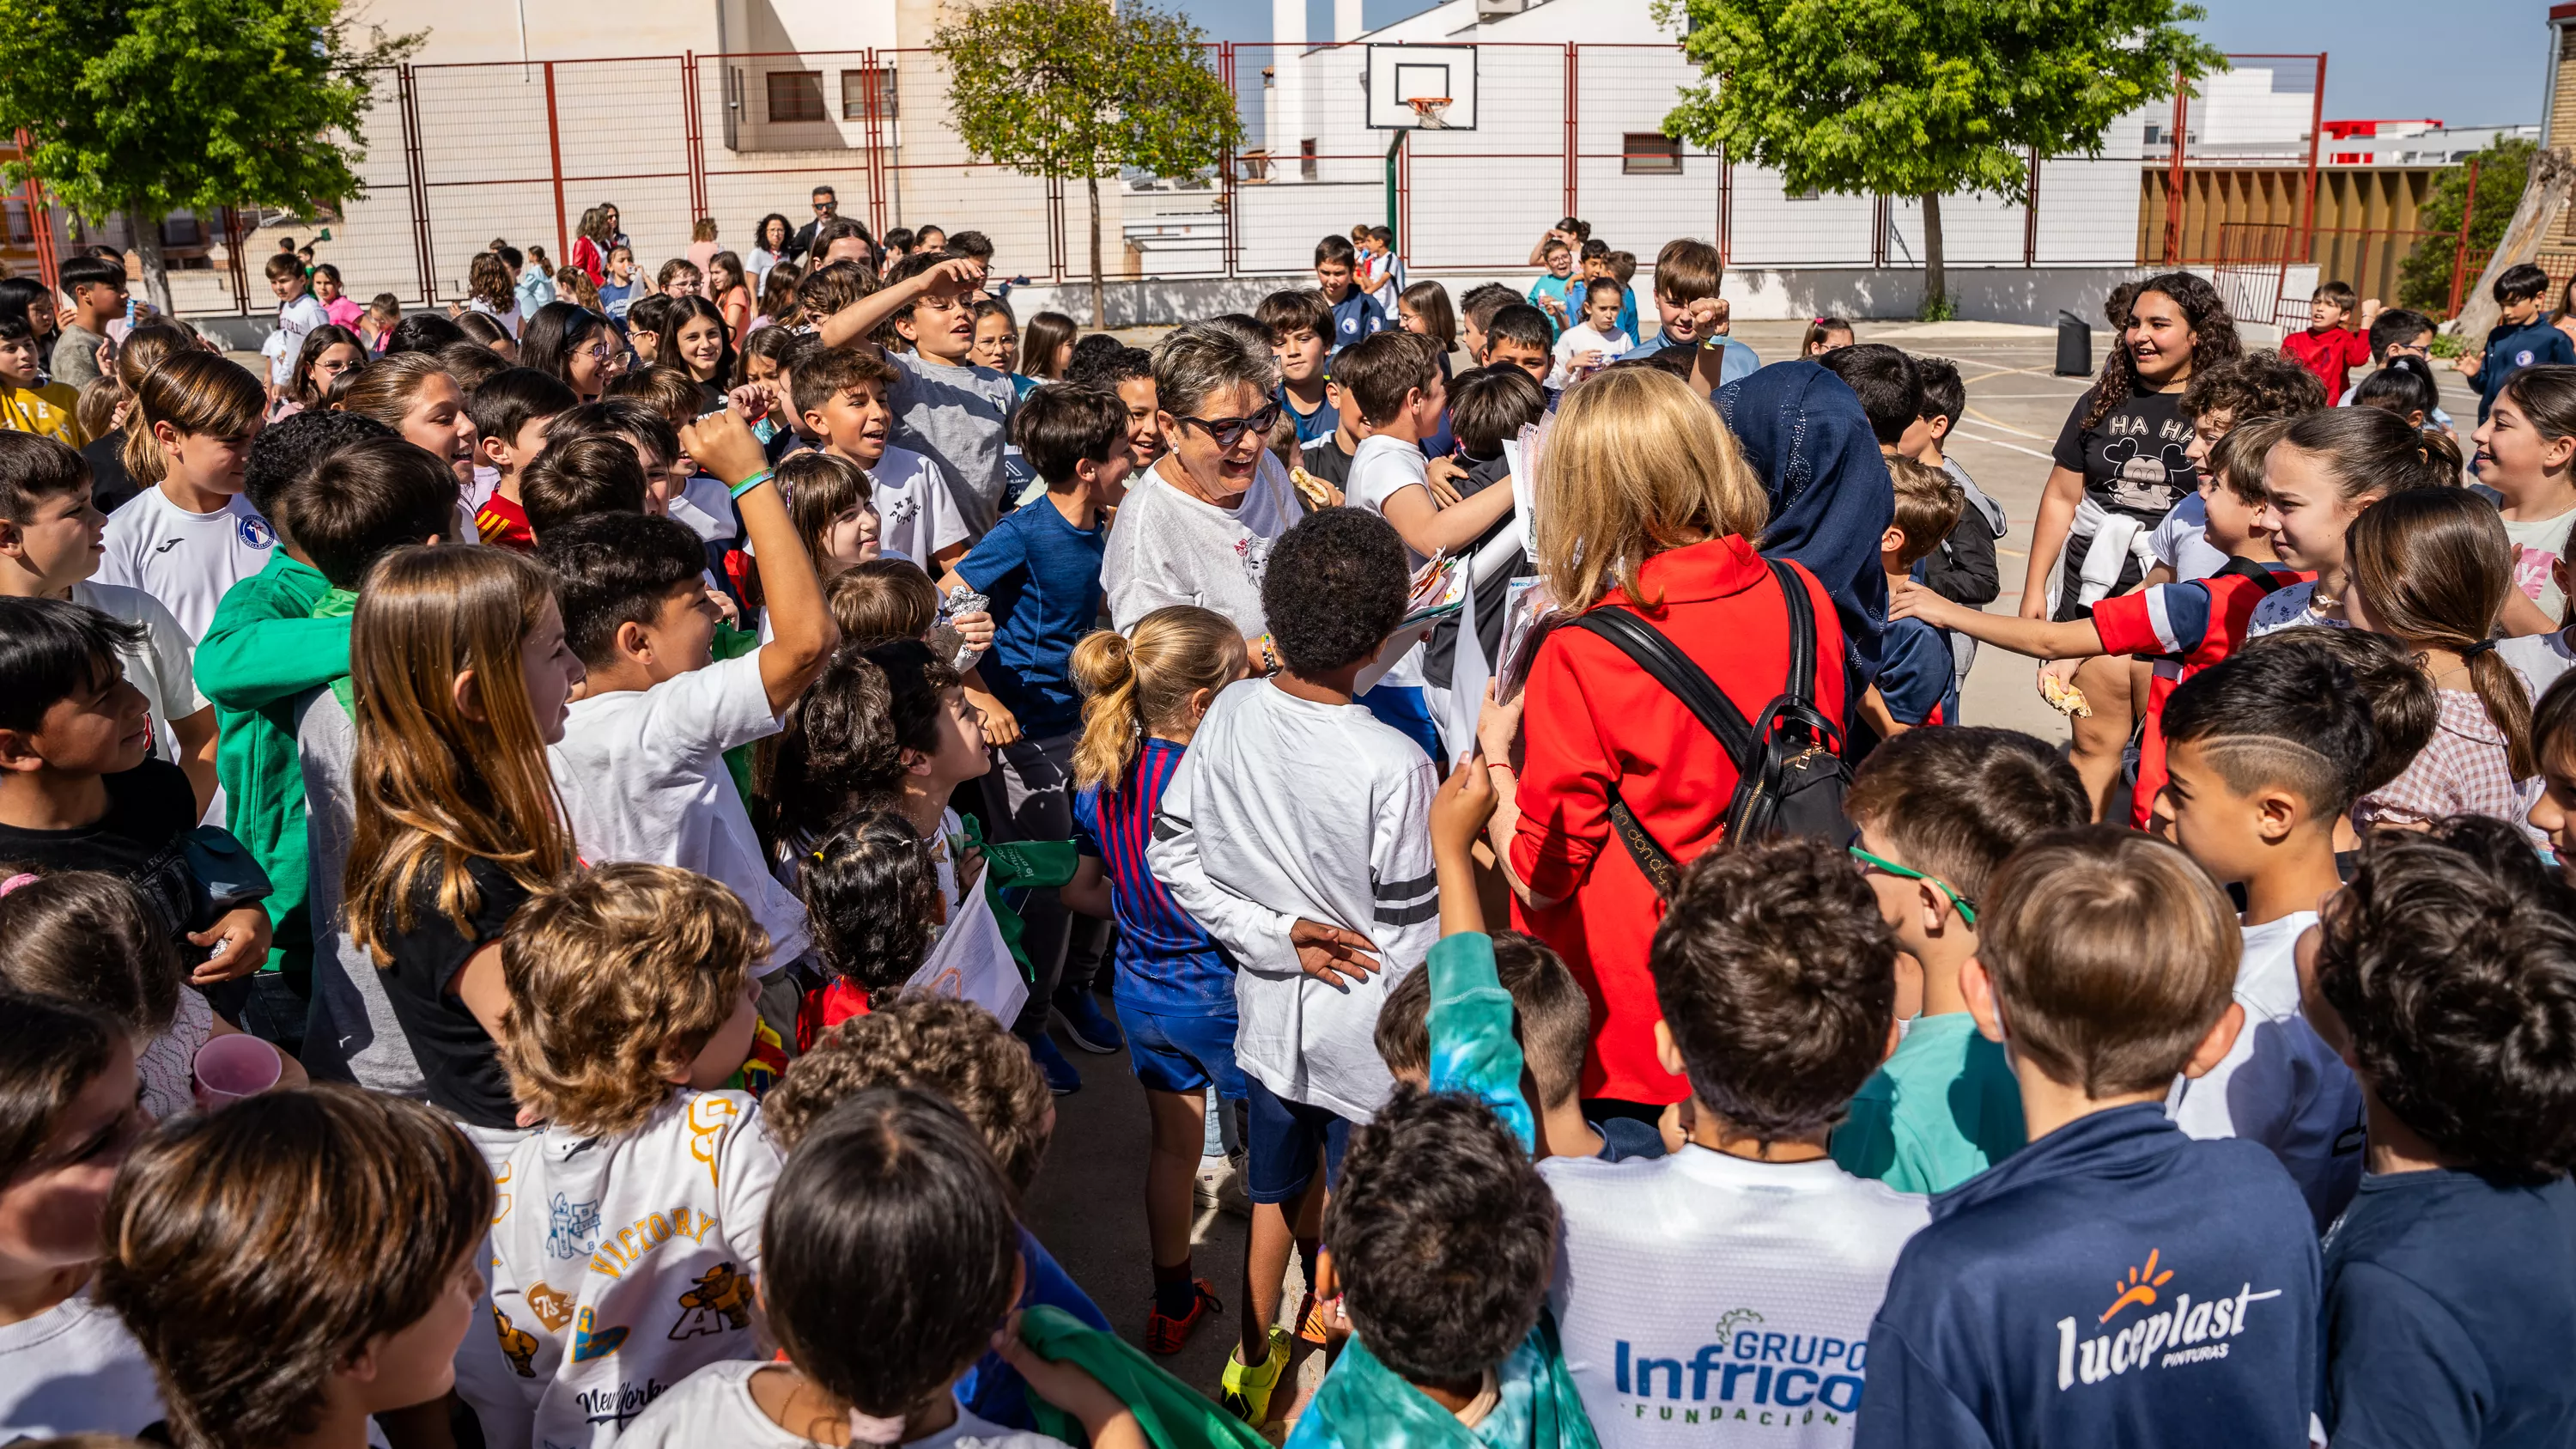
(755, 480)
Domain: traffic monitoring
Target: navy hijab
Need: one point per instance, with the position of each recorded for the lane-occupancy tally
(1803, 431)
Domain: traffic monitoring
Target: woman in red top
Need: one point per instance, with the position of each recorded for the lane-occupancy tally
(1638, 471)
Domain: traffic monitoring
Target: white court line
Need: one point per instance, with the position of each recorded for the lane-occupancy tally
(2000, 443)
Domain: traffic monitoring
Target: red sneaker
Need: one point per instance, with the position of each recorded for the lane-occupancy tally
(1165, 1334)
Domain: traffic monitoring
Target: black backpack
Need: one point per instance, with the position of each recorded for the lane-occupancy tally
(1790, 775)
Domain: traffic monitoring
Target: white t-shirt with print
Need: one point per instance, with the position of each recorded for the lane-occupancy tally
(296, 319)
(73, 1369)
(1766, 1276)
(622, 1265)
(643, 777)
(2181, 542)
(1383, 467)
(1170, 547)
(2290, 607)
(186, 560)
(2280, 1084)
(163, 666)
(714, 1407)
(2538, 545)
(1581, 338)
(2540, 657)
(917, 513)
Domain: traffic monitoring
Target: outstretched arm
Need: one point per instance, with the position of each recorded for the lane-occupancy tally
(2038, 638)
(853, 325)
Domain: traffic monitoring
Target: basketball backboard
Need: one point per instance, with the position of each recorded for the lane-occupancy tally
(1400, 75)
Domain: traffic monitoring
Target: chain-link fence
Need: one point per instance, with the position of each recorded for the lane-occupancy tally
(460, 154)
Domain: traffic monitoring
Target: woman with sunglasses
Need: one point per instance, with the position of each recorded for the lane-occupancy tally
(1647, 507)
(1197, 526)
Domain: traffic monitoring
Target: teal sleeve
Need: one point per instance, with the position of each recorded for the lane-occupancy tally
(1472, 1047)
(250, 664)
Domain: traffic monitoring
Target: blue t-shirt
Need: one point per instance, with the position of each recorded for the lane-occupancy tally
(1567, 290)
(1310, 426)
(1739, 363)
(1356, 316)
(2510, 349)
(1042, 575)
(1914, 672)
(1167, 963)
(2450, 1313)
(616, 301)
(1628, 310)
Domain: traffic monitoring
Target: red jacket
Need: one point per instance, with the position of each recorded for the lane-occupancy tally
(1594, 718)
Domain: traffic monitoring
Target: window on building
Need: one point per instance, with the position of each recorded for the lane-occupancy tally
(796, 95)
(1805, 195)
(1306, 159)
(1649, 153)
(854, 92)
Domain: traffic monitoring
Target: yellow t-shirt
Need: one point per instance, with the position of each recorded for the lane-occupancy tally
(43, 410)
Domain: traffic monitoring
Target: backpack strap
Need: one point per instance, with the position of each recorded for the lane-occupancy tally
(1649, 650)
(1646, 646)
(1802, 631)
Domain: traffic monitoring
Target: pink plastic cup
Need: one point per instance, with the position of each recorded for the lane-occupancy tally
(230, 1068)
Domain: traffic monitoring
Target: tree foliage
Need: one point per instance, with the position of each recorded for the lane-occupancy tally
(1923, 97)
(2424, 278)
(153, 106)
(1071, 89)
(1076, 90)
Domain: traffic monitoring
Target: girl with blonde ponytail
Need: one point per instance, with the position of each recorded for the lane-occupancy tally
(2431, 568)
(1143, 697)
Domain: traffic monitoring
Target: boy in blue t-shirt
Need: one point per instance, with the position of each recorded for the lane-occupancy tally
(1301, 332)
(2522, 338)
(2450, 1283)
(2115, 1281)
(1355, 314)
(1915, 677)
(1040, 568)
(1559, 294)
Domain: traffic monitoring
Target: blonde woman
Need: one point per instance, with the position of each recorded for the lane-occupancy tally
(1645, 505)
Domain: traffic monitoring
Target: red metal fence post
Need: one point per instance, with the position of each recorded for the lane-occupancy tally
(872, 80)
(416, 178)
(1573, 125)
(2030, 215)
(2316, 134)
(554, 151)
(2460, 258)
(2174, 178)
(696, 144)
(40, 219)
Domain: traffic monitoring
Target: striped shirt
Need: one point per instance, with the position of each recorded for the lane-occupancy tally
(1166, 962)
(2184, 628)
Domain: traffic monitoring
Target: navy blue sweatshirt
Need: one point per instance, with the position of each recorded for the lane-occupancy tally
(2115, 1285)
(2510, 349)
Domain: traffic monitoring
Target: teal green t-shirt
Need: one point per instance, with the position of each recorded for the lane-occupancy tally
(1944, 1108)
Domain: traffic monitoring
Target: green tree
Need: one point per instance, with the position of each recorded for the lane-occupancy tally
(1923, 97)
(2424, 278)
(140, 108)
(1069, 89)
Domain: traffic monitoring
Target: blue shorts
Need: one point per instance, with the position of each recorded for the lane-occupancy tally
(1282, 1139)
(1183, 1053)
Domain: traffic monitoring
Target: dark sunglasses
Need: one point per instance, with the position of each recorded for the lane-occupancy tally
(1226, 432)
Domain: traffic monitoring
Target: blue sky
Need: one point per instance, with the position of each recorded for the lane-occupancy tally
(2467, 62)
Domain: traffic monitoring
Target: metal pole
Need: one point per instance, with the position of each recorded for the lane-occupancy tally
(2316, 133)
(554, 151)
(1573, 125)
(40, 220)
(1226, 196)
(2174, 171)
(2030, 215)
(1393, 150)
(2460, 258)
(416, 175)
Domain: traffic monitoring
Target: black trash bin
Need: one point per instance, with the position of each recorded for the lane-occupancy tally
(2074, 346)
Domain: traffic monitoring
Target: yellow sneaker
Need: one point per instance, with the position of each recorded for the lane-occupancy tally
(1247, 1387)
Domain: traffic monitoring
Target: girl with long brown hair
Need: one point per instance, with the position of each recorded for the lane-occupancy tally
(413, 394)
(460, 679)
(2431, 568)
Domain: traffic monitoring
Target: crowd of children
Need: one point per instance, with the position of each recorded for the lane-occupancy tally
(547, 850)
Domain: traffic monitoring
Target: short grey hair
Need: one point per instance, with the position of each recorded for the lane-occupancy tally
(1201, 358)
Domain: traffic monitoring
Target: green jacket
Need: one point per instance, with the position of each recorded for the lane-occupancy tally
(264, 652)
(1172, 1414)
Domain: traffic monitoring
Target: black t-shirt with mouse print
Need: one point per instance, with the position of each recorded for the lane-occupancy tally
(2133, 464)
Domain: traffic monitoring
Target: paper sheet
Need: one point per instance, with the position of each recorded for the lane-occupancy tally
(971, 962)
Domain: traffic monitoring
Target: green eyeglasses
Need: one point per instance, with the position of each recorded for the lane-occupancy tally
(1967, 910)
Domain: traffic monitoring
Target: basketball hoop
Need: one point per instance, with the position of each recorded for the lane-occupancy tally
(1429, 110)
